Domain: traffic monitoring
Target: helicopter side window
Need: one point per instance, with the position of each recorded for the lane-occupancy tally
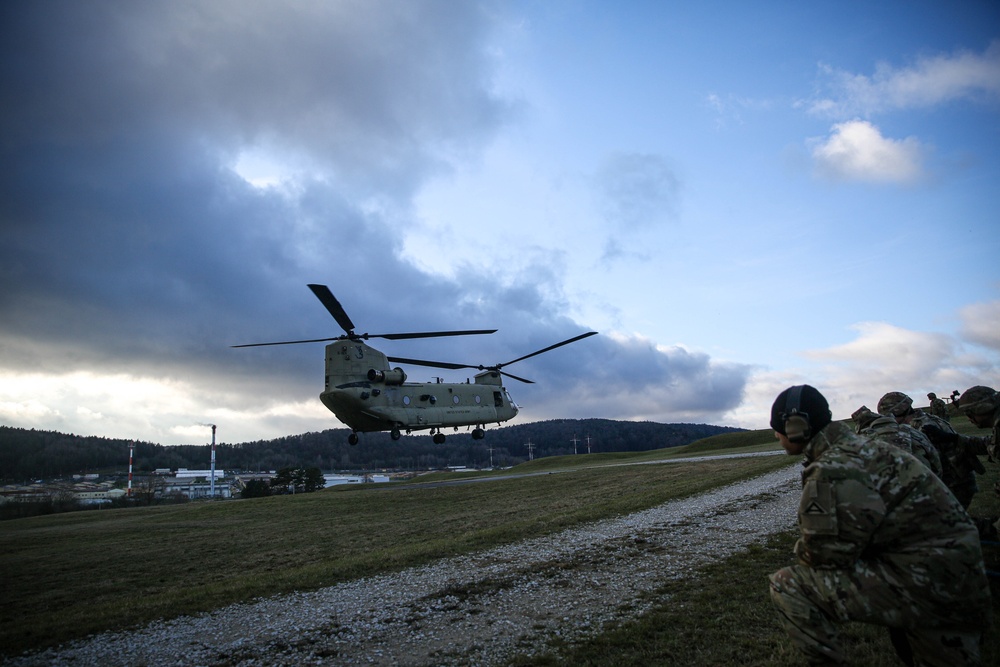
(478, 399)
(498, 399)
(406, 400)
(455, 399)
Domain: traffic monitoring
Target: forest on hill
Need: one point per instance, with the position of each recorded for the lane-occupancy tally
(29, 454)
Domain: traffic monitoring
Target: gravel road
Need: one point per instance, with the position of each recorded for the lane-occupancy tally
(478, 609)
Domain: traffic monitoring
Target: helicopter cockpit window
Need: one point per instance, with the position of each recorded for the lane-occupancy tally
(498, 399)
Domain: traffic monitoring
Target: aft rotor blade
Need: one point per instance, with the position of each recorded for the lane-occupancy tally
(515, 377)
(453, 367)
(327, 298)
(289, 342)
(550, 347)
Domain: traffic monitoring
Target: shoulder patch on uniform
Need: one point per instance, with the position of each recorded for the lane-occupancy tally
(818, 508)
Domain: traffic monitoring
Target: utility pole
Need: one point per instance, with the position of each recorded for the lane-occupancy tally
(131, 451)
(491, 456)
(588, 443)
(212, 483)
(531, 450)
(574, 441)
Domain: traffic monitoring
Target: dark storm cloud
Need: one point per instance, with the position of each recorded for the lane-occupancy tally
(372, 90)
(618, 378)
(122, 219)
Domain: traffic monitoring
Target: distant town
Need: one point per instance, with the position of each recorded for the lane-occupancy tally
(161, 486)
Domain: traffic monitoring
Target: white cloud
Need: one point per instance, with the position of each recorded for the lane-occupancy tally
(857, 151)
(882, 357)
(981, 324)
(146, 408)
(888, 354)
(928, 82)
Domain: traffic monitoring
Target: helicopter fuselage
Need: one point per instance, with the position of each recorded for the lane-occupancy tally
(368, 395)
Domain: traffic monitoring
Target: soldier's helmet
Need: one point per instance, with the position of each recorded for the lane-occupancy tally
(863, 417)
(932, 395)
(978, 399)
(895, 403)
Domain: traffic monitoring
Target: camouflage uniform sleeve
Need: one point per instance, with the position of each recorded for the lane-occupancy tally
(984, 444)
(977, 444)
(838, 513)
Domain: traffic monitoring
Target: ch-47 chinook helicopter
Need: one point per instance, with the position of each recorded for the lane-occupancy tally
(368, 395)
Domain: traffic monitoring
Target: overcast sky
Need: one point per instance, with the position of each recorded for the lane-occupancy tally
(737, 199)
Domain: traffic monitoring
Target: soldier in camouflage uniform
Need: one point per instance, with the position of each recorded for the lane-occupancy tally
(982, 406)
(882, 541)
(938, 407)
(959, 465)
(873, 425)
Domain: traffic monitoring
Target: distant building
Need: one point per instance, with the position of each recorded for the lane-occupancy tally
(207, 474)
(104, 497)
(24, 494)
(194, 487)
(334, 480)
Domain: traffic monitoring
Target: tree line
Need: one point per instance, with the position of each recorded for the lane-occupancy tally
(29, 454)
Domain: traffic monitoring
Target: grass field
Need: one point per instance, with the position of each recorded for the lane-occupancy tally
(66, 576)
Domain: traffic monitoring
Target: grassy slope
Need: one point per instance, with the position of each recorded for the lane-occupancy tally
(68, 575)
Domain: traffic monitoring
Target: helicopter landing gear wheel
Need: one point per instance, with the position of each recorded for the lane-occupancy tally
(395, 434)
(439, 438)
(478, 434)
(352, 439)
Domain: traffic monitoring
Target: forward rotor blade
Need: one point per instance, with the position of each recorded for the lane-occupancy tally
(289, 342)
(327, 298)
(432, 364)
(550, 347)
(431, 334)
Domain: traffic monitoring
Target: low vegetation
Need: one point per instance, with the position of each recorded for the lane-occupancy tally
(67, 576)
(29, 454)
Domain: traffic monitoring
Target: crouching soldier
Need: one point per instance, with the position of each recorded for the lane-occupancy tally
(959, 465)
(887, 429)
(982, 406)
(882, 541)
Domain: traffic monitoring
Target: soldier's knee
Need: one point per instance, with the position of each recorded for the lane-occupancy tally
(783, 579)
(783, 585)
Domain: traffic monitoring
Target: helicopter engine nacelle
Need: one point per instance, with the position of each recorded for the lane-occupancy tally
(395, 376)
